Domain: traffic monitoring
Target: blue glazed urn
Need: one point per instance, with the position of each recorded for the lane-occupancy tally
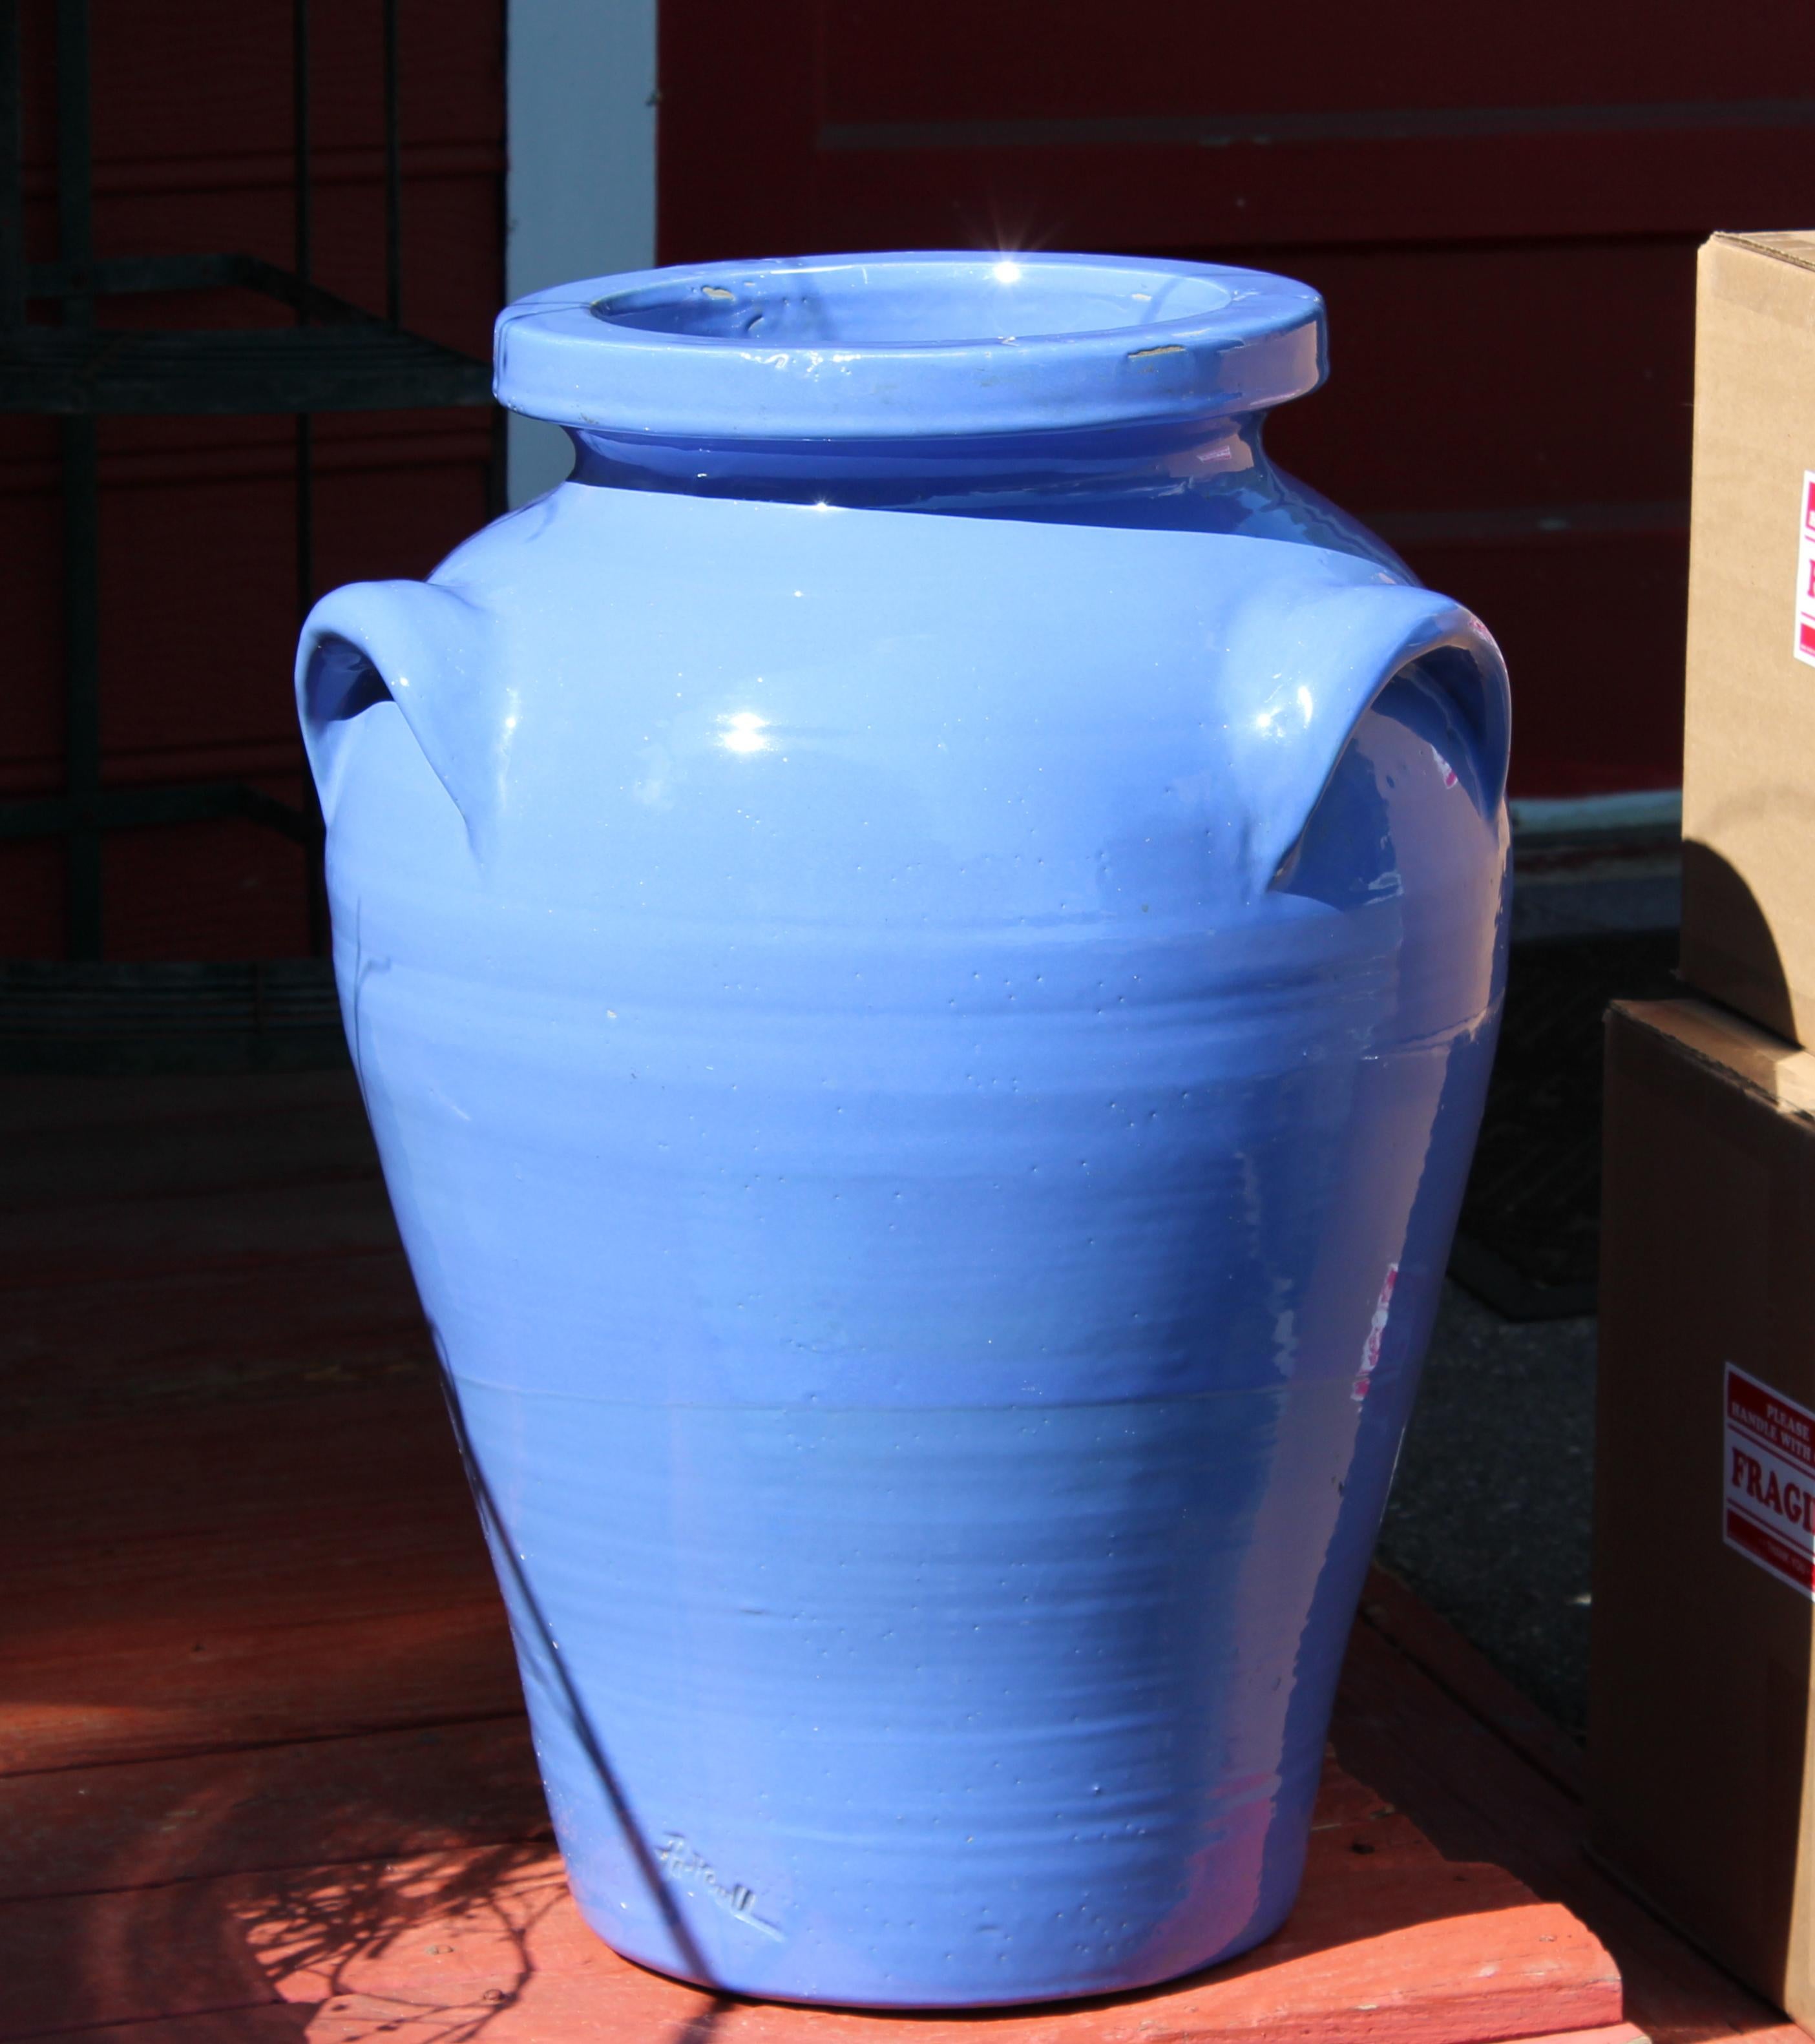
(922, 940)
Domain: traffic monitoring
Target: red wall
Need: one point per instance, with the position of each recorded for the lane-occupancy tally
(1504, 233)
(1501, 204)
(192, 129)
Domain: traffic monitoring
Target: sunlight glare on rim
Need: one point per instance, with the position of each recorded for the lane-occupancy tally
(743, 732)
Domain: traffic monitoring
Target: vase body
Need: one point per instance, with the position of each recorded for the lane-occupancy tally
(925, 1054)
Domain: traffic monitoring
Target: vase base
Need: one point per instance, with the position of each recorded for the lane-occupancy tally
(935, 1997)
(1383, 1923)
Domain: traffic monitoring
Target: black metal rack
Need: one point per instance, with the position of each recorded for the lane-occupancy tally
(336, 357)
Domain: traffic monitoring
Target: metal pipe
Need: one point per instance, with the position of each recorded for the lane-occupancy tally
(82, 681)
(12, 174)
(302, 258)
(302, 224)
(75, 202)
(393, 175)
(314, 887)
(81, 498)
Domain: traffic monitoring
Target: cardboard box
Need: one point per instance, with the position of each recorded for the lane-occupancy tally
(1748, 793)
(1702, 1792)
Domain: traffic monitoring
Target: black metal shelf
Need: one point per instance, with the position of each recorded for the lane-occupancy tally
(259, 1015)
(99, 370)
(336, 357)
(119, 276)
(145, 807)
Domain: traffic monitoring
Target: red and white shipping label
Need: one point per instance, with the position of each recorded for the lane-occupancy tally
(1804, 647)
(1767, 1508)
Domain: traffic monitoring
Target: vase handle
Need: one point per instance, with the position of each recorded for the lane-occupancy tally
(429, 650)
(1314, 668)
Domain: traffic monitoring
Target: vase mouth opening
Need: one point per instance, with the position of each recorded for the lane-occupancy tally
(860, 304)
(906, 344)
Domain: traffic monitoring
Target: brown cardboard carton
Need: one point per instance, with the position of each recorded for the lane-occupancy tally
(1702, 1795)
(1748, 792)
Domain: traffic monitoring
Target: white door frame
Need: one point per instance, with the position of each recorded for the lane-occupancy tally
(580, 190)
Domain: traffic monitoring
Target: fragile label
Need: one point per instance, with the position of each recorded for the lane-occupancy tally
(1804, 647)
(1768, 1508)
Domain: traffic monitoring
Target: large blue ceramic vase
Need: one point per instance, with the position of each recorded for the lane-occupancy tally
(923, 941)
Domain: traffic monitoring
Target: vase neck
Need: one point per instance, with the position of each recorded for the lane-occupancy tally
(1030, 475)
(1210, 476)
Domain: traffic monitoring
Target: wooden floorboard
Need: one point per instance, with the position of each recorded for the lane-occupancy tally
(366, 1796)
(114, 1348)
(1476, 1797)
(211, 1229)
(262, 1771)
(1425, 1948)
(1472, 1680)
(242, 1573)
(65, 1139)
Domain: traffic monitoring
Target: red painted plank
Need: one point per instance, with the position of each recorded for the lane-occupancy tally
(270, 2023)
(1482, 1797)
(153, 1346)
(382, 1794)
(326, 1543)
(1409, 1946)
(1619, 2033)
(245, 1572)
(1464, 1672)
(251, 1226)
(308, 1803)
(157, 1119)
(156, 1687)
(1476, 1798)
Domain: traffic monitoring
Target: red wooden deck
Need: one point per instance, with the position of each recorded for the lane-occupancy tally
(263, 1774)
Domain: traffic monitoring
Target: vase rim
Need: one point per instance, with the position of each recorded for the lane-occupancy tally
(909, 345)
